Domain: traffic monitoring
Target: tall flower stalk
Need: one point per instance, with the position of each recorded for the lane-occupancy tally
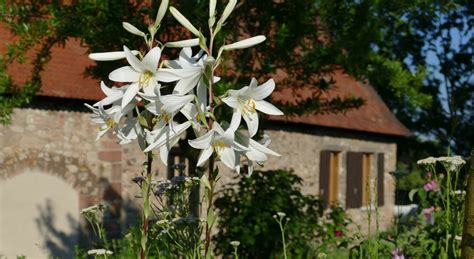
(445, 184)
(137, 109)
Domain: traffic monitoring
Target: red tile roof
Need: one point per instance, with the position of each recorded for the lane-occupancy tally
(64, 77)
(374, 116)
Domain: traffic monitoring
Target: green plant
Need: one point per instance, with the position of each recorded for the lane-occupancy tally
(246, 212)
(441, 207)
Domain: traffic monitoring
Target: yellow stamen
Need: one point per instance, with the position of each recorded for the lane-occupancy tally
(164, 116)
(248, 106)
(218, 146)
(144, 79)
(110, 123)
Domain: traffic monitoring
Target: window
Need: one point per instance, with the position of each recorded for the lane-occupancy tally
(179, 165)
(334, 178)
(329, 177)
(358, 169)
(380, 179)
(366, 168)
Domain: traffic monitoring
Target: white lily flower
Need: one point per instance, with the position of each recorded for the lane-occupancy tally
(113, 94)
(141, 74)
(165, 137)
(247, 101)
(166, 106)
(222, 143)
(191, 113)
(257, 153)
(107, 119)
(187, 70)
(129, 131)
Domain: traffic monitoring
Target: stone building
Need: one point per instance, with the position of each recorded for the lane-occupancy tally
(51, 167)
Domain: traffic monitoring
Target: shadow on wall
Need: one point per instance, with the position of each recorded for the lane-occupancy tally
(57, 243)
(63, 244)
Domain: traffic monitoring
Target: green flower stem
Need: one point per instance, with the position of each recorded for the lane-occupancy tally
(279, 219)
(146, 197)
(210, 198)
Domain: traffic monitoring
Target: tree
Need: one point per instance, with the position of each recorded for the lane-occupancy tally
(428, 39)
(389, 43)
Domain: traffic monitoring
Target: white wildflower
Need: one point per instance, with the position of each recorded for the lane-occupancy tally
(459, 192)
(235, 243)
(452, 163)
(427, 161)
(99, 252)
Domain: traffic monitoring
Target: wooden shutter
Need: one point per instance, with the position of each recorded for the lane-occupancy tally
(324, 171)
(380, 179)
(354, 177)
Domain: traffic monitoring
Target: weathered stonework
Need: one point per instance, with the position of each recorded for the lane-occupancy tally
(63, 144)
(300, 149)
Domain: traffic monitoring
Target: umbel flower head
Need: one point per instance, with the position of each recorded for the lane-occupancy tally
(150, 92)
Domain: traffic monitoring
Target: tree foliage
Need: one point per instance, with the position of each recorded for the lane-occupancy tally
(417, 54)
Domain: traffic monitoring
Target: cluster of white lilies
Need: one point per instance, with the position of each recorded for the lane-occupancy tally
(137, 108)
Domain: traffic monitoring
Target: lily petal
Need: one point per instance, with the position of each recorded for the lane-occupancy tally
(185, 59)
(205, 154)
(174, 103)
(236, 118)
(124, 74)
(133, 61)
(257, 146)
(227, 156)
(251, 118)
(202, 94)
(267, 108)
(263, 91)
(185, 85)
(231, 100)
(128, 96)
(171, 74)
(152, 59)
(202, 142)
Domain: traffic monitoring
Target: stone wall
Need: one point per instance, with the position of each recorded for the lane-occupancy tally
(62, 143)
(300, 150)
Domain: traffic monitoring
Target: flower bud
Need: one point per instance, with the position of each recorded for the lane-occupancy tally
(183, 21)
(227, 11)
(132, 29)
(245, 43)
(161, 12)
(183, 43)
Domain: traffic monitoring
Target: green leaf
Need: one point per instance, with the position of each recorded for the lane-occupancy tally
(204, 181)
(146, 207)
(211, 218)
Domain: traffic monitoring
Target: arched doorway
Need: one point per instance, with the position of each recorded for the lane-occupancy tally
(41, 195)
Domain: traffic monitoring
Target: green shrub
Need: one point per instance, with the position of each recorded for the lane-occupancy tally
(246, 210)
